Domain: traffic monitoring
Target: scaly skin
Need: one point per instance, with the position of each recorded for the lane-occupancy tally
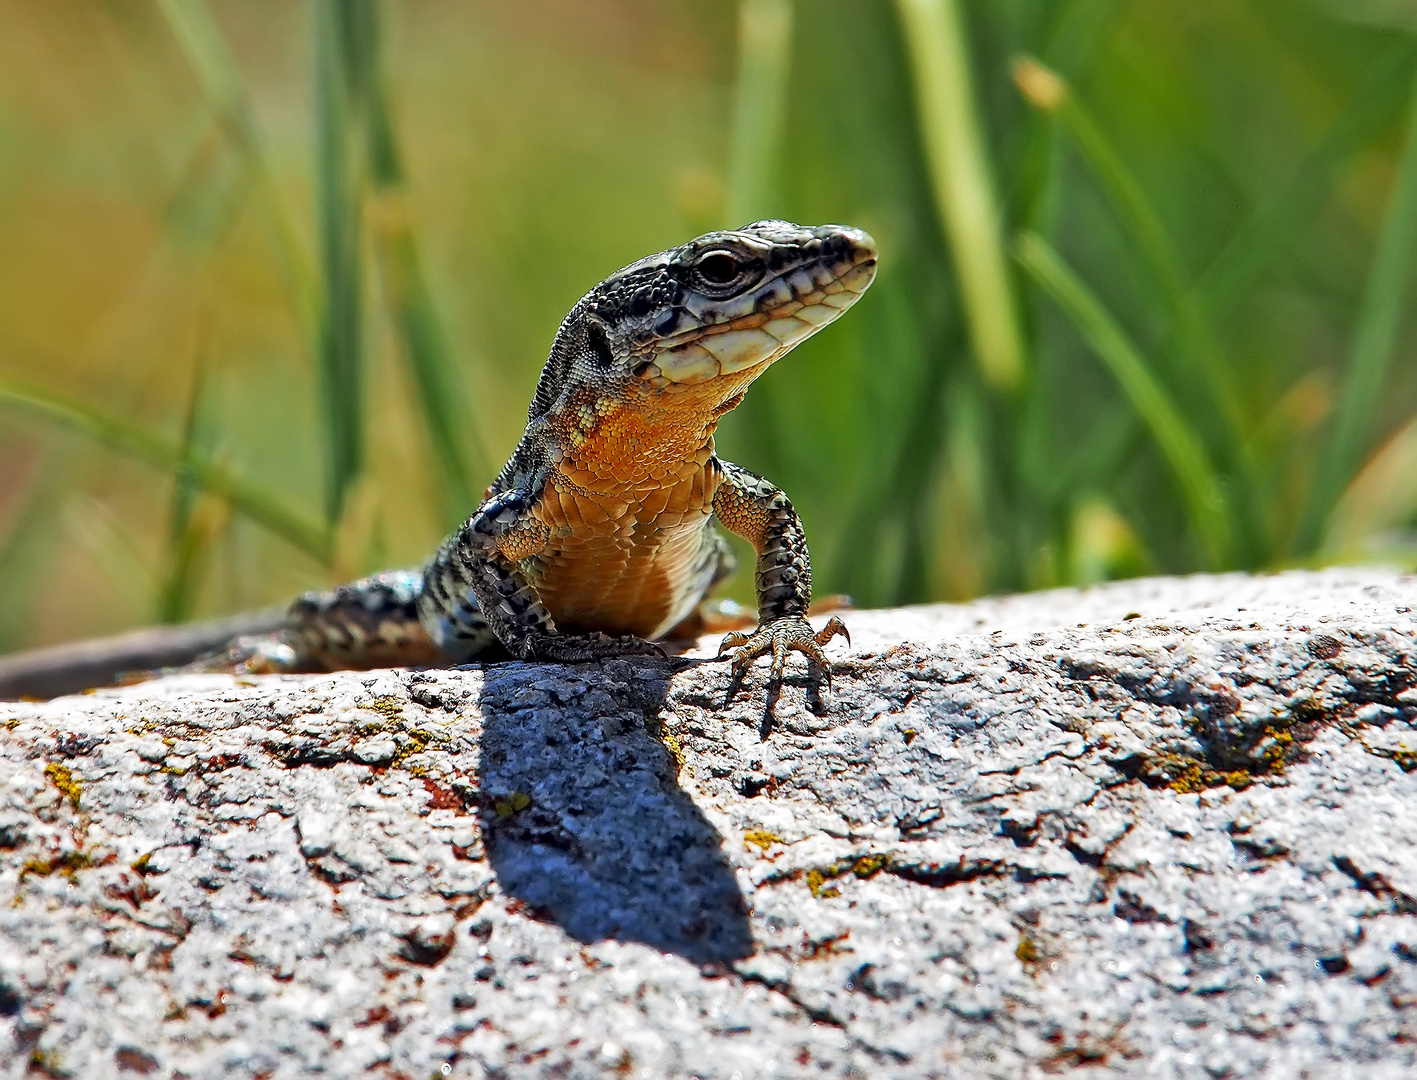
(597, 536)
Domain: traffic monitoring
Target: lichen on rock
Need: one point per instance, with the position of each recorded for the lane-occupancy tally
(1163, 826)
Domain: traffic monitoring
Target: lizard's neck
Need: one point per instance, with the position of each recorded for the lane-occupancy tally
(629, 457)
(617, 444)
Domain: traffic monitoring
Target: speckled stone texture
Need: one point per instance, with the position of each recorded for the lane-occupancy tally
(1161, 828)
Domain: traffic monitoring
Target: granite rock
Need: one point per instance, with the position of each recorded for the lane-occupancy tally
(1158, 828)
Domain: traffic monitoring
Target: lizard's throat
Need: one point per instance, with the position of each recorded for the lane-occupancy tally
(630, 448)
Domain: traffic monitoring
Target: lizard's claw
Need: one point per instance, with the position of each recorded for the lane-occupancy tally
(790, 633)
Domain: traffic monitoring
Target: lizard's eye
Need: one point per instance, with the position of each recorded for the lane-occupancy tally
(718, 268)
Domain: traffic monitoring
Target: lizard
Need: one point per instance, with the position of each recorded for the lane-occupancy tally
(597, 537)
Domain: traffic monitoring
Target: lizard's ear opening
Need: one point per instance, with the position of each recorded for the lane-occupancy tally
(642, 368)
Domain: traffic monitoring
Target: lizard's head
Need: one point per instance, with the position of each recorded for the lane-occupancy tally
(701, 321)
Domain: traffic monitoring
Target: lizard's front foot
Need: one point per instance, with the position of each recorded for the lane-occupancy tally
(780, 636)
(572, 648)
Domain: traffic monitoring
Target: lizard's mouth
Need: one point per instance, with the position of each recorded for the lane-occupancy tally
(761, 325)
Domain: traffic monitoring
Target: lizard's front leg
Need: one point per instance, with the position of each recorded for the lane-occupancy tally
(753, 508)
(473, 582)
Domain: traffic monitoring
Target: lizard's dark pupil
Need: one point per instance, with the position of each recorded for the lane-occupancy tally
(719, 269)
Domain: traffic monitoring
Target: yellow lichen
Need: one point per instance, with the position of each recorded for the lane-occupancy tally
(816, 881)
(1188, 776)
(514, 803)
(65, 781)
(1182, 774)
(1283, 742)
(675, 751)
(47, 1062)
(762, 839)
(868, 865)
(418, 741)
(68, 864)
(1406, 760)
(390, 707)
(1027, 951)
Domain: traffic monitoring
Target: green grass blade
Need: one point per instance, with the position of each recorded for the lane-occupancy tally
(1033, 174)
(449, 426)
(1046, 90)
(132, 440)
(340, 345)
(201, 42)
(1381, 499)
(759, 106)
(186, 561)
(964, 190)
(1373, 341)
(451, 432)
(28, 547)
(1271, 229)
(1182, 449)
(188, 534)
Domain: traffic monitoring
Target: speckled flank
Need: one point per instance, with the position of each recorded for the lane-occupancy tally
(368, 623)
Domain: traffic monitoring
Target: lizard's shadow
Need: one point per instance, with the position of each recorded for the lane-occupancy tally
(583, 817)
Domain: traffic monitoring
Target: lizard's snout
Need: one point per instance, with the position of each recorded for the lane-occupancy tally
(855, 262)
(858, 244)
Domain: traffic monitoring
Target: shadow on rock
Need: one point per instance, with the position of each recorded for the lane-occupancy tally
(583, 817)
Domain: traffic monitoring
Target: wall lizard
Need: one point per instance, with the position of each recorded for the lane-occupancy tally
(597, 536)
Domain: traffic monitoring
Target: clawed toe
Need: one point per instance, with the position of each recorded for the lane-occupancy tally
(778, 638)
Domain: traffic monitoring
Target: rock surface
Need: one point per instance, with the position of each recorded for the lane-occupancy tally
(1157, 828)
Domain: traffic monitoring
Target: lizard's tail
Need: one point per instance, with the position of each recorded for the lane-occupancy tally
(68, 668)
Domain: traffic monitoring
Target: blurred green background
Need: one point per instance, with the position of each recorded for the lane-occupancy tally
(277, 279)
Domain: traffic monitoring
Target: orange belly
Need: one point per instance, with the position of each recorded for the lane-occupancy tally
(624, 562)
